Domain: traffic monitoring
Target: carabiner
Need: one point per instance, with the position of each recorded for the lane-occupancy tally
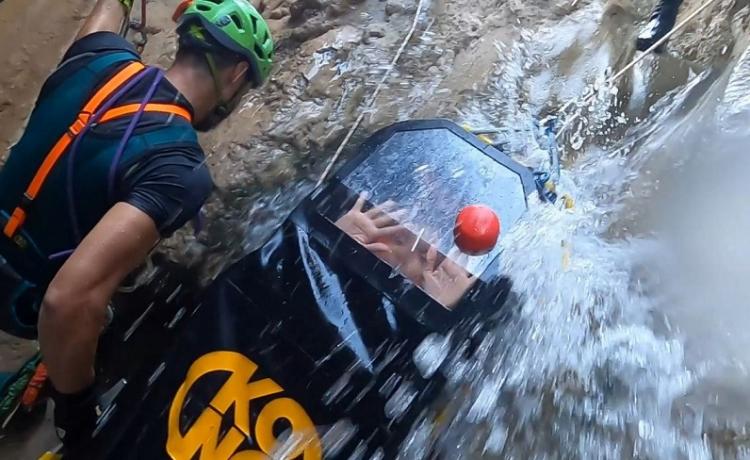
(140, 40)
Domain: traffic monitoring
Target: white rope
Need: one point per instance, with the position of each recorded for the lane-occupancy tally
(374, 96)
(625, 69)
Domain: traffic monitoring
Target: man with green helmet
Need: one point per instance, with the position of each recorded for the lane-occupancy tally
(109, 164)
(225, 32)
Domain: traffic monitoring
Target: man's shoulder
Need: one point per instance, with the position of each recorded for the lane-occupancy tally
(97, 43)
(170, 185)
(181, 165)
(81, 53)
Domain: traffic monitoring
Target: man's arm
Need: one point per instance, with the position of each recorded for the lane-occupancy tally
(107, 16)
(74, 306)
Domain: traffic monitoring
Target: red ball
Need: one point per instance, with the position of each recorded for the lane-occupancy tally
(477, 229)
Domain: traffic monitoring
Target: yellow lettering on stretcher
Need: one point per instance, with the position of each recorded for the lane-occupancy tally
(289, 409)
(238, 391)
(203, 435)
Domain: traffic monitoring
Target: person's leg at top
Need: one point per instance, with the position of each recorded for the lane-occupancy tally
(662, 20)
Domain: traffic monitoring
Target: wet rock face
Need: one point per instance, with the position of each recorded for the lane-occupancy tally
(472, 61)
(711, 36)
(400, 7)
(30, 53)
(330, 57)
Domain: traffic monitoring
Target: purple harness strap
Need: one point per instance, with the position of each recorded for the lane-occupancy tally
(128, 134)
(93, 120)
(111, 179)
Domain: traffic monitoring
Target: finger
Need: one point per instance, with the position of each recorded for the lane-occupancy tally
(378, 248)
(380, 209)
(389, 219)
(391, 231)
(431, 257)
(452, 268)
(429, 281)
(360, 202)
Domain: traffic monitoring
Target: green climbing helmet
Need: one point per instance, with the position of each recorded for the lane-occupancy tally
(236, 25)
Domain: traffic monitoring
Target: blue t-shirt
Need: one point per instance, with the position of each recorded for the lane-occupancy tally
(170, 185)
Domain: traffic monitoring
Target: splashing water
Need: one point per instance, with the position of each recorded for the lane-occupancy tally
(590, 365)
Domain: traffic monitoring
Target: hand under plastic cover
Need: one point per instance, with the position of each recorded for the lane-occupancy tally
(370, 227)
(446, 281)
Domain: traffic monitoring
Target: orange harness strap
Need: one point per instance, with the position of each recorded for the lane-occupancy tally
(130, 109)
(18, 217)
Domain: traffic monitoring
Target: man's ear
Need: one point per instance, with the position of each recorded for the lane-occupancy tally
(239, 73)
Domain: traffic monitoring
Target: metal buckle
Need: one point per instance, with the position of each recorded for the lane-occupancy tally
(20, 241)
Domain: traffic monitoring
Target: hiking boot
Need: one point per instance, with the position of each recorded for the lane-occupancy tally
(662, 21)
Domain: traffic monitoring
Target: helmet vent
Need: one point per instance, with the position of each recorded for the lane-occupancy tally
(259, 51)
(237, 21)
(254, 21)
(202, 7)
